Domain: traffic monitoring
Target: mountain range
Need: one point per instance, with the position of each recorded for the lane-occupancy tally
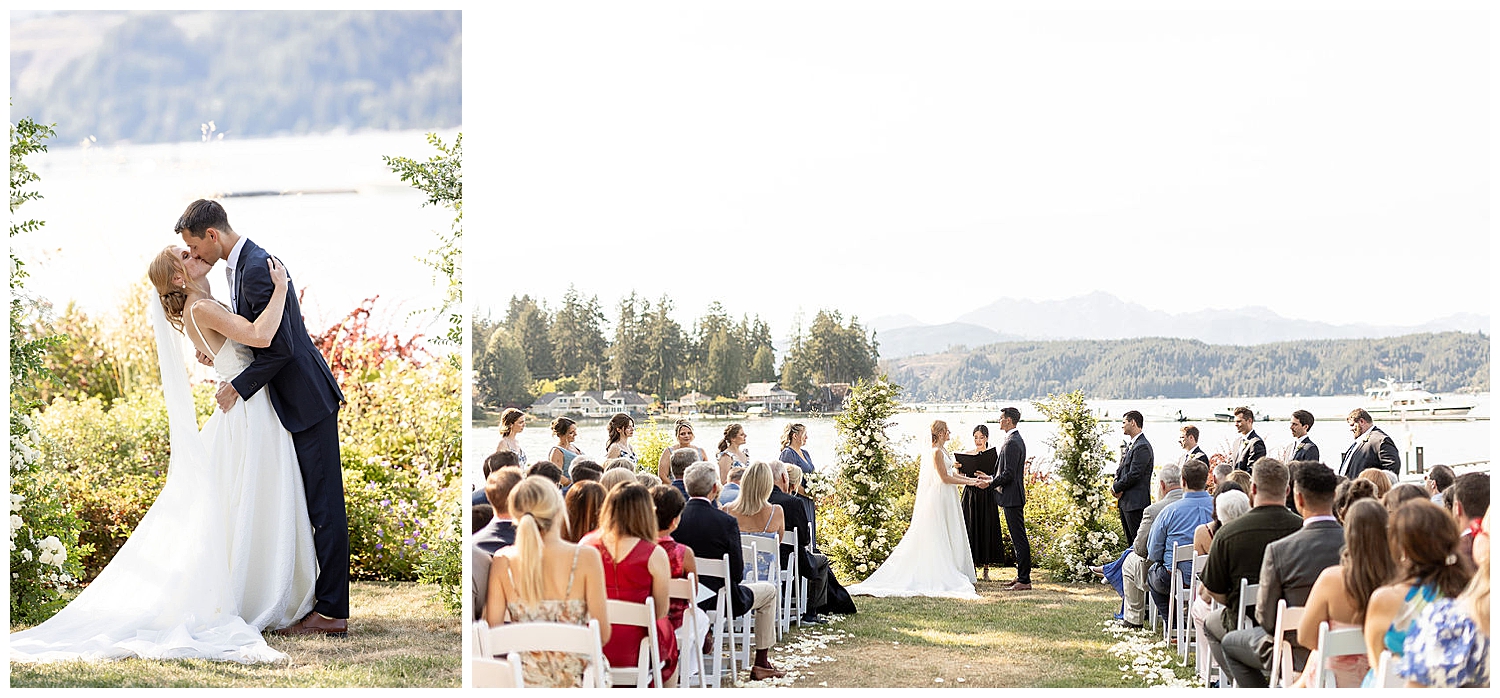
(1100, 315)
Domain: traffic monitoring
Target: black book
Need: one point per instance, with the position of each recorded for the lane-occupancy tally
(986, 462)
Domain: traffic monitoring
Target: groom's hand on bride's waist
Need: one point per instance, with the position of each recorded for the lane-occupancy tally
(226, 396)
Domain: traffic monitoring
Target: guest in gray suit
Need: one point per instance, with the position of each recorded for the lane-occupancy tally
(1287, 571)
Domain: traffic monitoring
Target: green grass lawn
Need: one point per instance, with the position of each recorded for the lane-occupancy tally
(399, 636)
(1051, 636)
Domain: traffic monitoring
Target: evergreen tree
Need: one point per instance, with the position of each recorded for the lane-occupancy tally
(665, 349)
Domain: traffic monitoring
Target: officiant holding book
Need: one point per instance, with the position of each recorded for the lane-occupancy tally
(980, 506)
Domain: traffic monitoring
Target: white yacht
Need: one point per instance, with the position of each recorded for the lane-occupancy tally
(1400, 399)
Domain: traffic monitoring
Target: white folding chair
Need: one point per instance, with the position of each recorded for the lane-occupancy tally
(548, 637)
(689, 647)
(1385, 672)
(1207, 665)
(1287, 618)
(1248, 593)
(647, 669)
(1189, 637)
(720, 622)
(1336, 643)
(752, 547)
(788, 584)
(1180, 600)
(495, 673)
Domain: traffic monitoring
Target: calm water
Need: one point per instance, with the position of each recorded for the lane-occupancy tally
(1442, 442)
(109, 210)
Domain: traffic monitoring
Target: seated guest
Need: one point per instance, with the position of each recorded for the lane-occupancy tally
(1229, 504)
(584, 502)
(647, 480)
(669, 503)
(1242, 479)
(681, 460)
(810, 566)
(1175, 525)
(584, 468)
(1471, 502)
(1219, 473)
(1449, 644)
(1381, 478)
(1402, 493)
(1342, 592)
(614, 463)
(501, 531)
(546, 469)
(635, 567)
(1425, 543)
(1349, 492)
(1239, 548)
(1439, 478)
(480, 516)
(543, 578)
(794, 481)
(493, 462)
(713, 534)
(614, 477)
(1133, 565)
(732, 490)
(1289, 568)
(757, 516)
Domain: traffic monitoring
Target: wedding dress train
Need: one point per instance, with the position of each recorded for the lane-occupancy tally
(225, 551)
(933, 558)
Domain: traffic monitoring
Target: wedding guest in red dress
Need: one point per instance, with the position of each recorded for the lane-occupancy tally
(634, 567)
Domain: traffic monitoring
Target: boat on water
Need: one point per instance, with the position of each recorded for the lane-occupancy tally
(1400, 399)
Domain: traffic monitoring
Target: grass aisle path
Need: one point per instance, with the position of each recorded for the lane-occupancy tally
(1051, 636)
(400, 636)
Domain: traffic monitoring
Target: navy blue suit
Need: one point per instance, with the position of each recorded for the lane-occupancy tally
(1133, 485)
(711, 534)
(306, 398)
(1010, 493)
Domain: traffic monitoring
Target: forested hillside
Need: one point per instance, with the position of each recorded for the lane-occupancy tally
(1183, 368)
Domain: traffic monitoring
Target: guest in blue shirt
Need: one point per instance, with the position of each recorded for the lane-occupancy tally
(731, 491)
(1174, 526)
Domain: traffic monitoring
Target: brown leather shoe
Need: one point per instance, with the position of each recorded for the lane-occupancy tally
(317, 624)
(1018, 586)
(761, 673)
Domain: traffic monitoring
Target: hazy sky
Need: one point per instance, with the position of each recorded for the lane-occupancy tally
(928, 158)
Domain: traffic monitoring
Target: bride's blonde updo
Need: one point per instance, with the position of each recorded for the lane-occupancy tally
(173, 298)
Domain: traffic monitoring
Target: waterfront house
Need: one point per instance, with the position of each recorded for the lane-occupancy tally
(689, 403)
(829, 397)
(768, 395)
(591, 403)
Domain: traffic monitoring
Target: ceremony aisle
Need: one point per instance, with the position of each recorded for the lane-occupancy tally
(399, 636)
(1051, 636)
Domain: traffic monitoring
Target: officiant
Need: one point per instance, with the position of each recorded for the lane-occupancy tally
(981, 513)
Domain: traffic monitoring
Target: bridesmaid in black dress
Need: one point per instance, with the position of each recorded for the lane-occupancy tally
(982, 517)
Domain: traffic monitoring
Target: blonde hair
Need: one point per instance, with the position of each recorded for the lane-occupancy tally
(755, 490)
(537, 506)
(793, 476)
(615, 476)
(791, 430)
(1476, 596)
(938, 426)
(173, 298)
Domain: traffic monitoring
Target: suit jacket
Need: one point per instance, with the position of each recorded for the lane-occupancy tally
(1252, 450)
(681, 487)
(1373, 450)
(1009, 487)
(494, 536)
(479, 579)
(1148, 517)
(712, 534)
(1197, 453)
(1289, 568)
(1306, 450)
(796, 520)
(1133, 476)
(304, 390)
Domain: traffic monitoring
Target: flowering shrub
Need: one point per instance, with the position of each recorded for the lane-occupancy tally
(860, 519)
(1080, 455)
(443, 565)
(649, 441)
(396, 515)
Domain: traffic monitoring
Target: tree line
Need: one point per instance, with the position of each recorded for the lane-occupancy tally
(1186, 368)
(534, 350)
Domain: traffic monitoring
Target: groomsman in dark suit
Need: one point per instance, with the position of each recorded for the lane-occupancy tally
(1189, 442)
(1252, 447)
(1010, 494)
(1372, 448)
(1302, 447)
(1132, 487)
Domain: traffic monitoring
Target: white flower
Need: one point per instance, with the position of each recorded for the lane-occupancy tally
(26, 554)
(45, 559)
(16, 523)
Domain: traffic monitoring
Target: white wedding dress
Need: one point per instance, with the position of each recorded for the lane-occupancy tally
(933, 558)
(225, 551)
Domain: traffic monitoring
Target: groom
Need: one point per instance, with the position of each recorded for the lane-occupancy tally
(304, 394)
(1010, 494)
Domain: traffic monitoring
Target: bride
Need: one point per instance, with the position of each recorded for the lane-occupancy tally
(933, 558)
(226, 549)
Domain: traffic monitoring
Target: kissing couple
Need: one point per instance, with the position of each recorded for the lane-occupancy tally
(249, 531)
